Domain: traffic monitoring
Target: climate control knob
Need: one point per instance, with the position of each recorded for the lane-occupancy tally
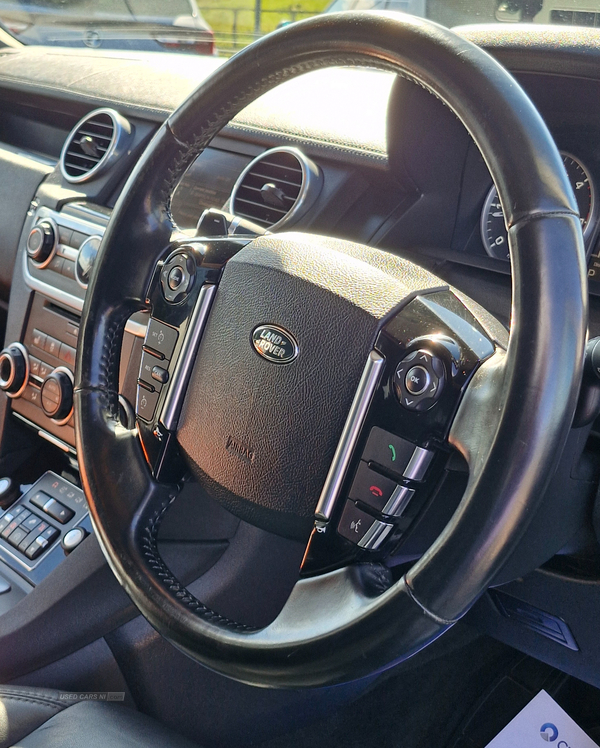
(41, 241)
(14, 369)
(57, 394)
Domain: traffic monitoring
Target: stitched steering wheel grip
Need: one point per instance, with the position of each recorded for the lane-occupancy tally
(511, 425)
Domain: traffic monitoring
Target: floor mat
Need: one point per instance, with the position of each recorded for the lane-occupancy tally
(421, 703)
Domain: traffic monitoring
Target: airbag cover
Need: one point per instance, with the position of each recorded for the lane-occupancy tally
(260, 436)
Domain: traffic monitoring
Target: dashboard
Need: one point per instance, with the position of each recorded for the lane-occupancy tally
(354, 154)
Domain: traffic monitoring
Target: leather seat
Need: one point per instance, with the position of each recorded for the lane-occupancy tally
(44, 718)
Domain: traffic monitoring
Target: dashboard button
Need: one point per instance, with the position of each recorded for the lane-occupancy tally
(31, 523)
(10, 528)
(388, 450)
(161, 338)
(36, 548)
(52, 346)
(68, 269)
(58, 511)
(17, 536)
(34, 366)
(39, 339)
(31, 395)
(67, 354)
(39, 498)
(371, 488)
(64, 235)
(77, 239)
(45, 369)
(56, 264)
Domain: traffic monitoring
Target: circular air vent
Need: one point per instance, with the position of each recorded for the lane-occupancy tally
(95, 143)
(277, 188)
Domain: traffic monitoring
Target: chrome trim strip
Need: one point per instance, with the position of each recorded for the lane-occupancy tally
(375, 535)
(46, 435)
(418, 464)
(68, 252)
(54, 440)
(398, 501)
(356, 417)
(185, 362)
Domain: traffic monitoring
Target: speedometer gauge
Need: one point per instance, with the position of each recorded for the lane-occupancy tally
(493, 228)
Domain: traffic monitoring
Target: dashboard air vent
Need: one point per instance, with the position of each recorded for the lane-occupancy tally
(95, 143)
(277, 188)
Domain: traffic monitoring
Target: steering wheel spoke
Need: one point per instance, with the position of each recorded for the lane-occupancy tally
(179, 297)
(394, 447)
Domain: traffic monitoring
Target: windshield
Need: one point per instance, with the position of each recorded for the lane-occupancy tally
(221, 27)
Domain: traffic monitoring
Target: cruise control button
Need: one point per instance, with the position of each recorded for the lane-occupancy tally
(58, 511)
(146, 366)
(146, 403)
(161, 338)
(388, 450)
(160, 375)
(371, 488)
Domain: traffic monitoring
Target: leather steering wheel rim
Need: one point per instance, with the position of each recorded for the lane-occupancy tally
(514, 418)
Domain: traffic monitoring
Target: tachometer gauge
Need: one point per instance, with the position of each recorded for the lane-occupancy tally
(493, 228)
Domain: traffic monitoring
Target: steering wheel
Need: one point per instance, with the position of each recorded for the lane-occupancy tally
(277, 439)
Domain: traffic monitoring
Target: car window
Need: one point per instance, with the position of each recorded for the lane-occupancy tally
(221, 27)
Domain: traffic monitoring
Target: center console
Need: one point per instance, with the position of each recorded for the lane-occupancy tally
(37, 371)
